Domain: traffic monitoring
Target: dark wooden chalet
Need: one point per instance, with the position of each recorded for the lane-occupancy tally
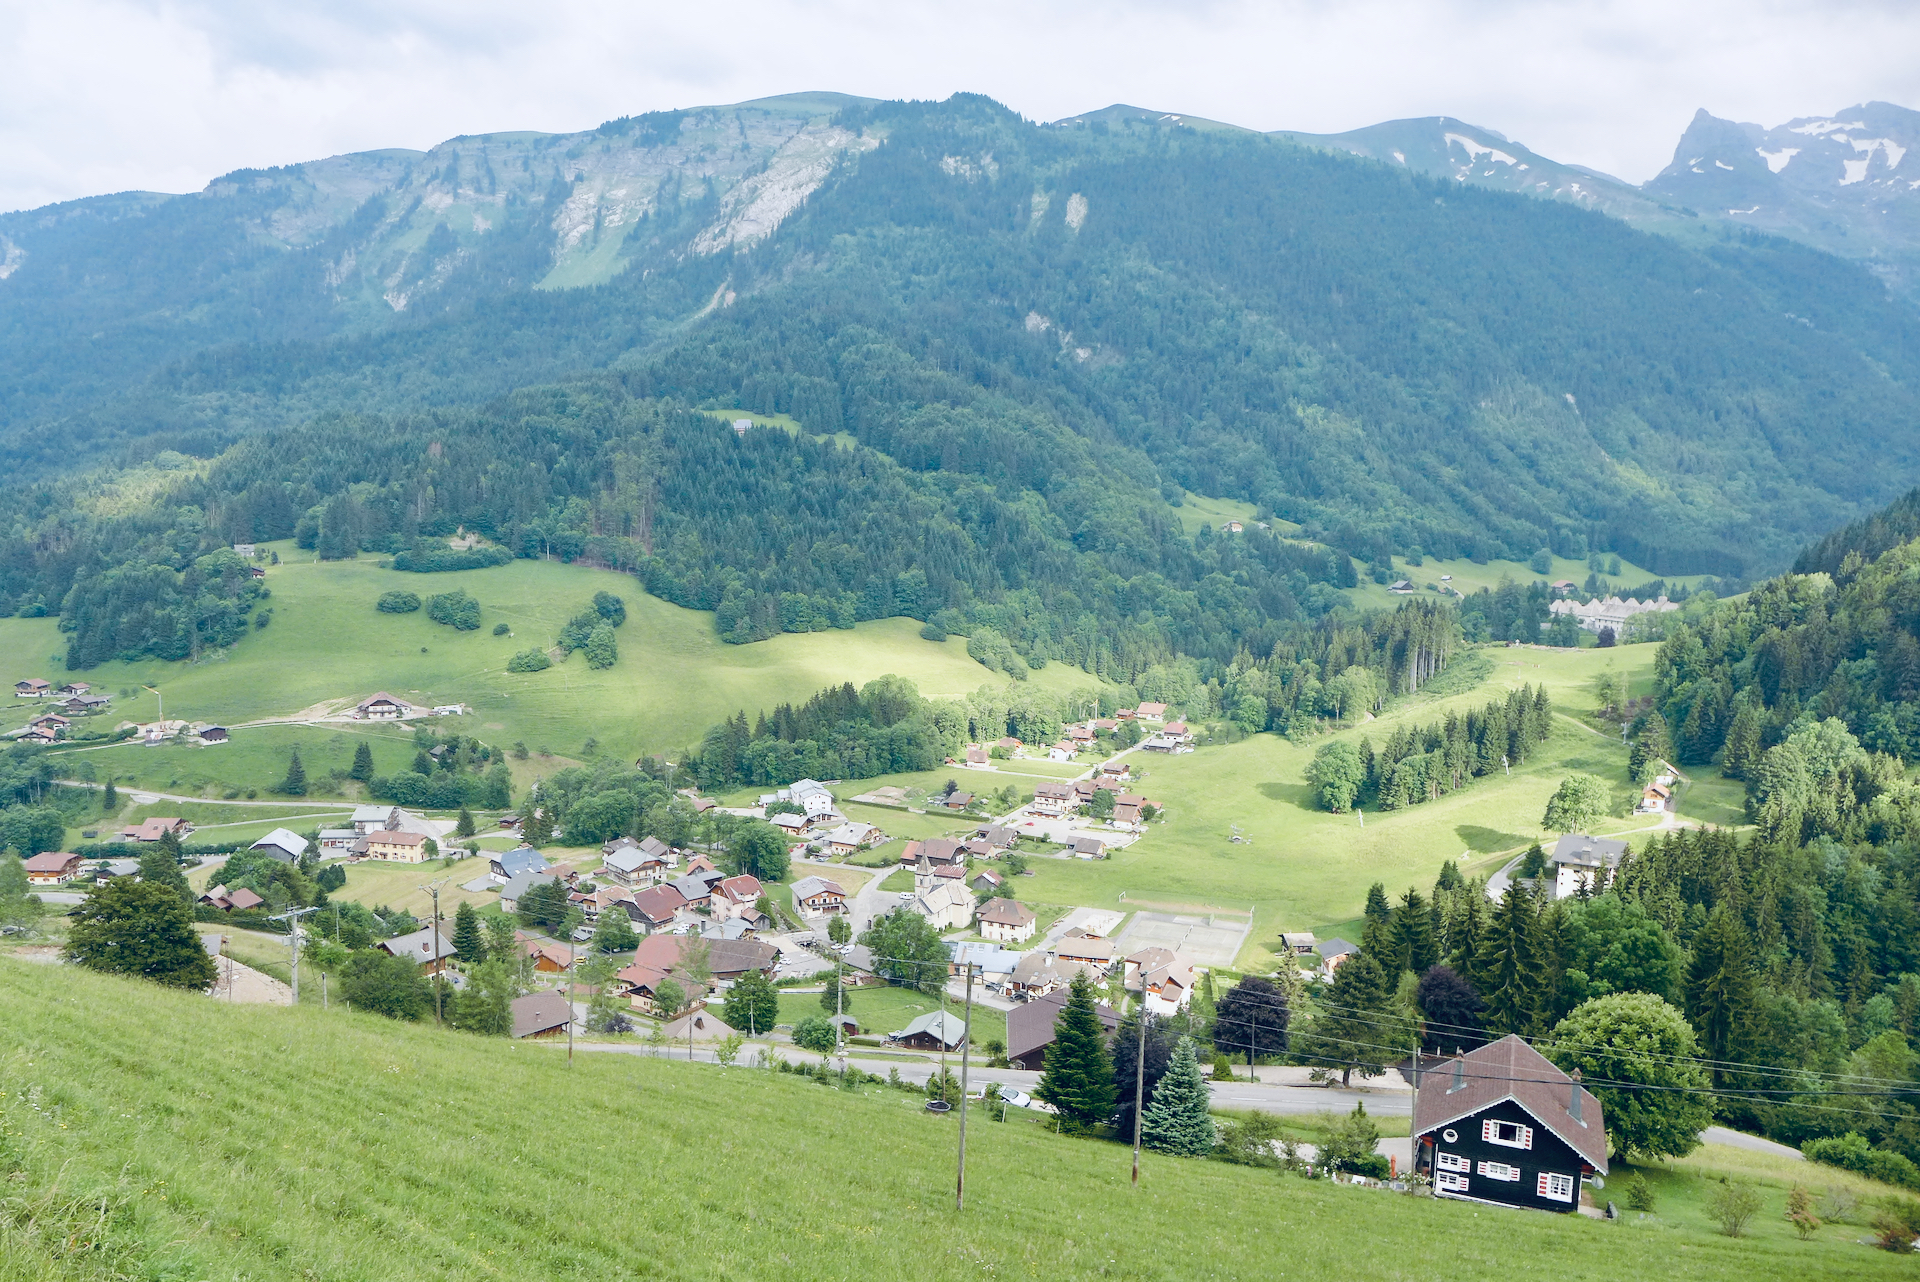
(1502, 1125)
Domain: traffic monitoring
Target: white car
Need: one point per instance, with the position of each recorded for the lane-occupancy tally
(1020, 1099)
(905, 895)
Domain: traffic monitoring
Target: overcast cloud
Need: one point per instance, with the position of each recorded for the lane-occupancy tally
(110, 95)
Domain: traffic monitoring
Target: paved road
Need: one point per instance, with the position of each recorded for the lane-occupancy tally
(1265, 1097)
(141, 797)
(1753, 1143)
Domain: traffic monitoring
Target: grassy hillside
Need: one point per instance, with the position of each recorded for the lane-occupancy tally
(159, 1135)
(326, 642)
(1301, 868)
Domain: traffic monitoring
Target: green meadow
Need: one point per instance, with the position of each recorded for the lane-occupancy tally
(1300, 868)
(327, 645)
(157, 1135)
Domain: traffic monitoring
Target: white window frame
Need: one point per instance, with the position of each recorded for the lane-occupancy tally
(1451, 1182)
(1500, 1171)
(1452, 1162)
(1553, 1185)
(1490, 1133)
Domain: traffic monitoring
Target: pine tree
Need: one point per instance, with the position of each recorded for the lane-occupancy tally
(1376, 935)
(1078, 1077)
(1178, 1121)
(295, 784)
(110, 799)
(463, 827)
(422, 763)
(1508, 970)
(469, 937)
(362, 763)
(836, 998)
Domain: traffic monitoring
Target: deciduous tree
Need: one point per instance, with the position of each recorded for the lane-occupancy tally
(1655, 1096)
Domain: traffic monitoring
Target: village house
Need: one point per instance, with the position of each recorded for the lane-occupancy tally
(32, 688)
(852, 836)
(1114, 772)
(509, 864)
(940, 852)
(697, 887)
(368, 819)
(283, 845)
(519, 884)
(985, 882)
(791, 826)
(1005, 921)
(338, 842)
(1580, 861)
(74, 688)
(50, 724)
(1061, 752)
(1037, 974)
(552, 959)
(382, 707)
(635, 863)
(1503, 1125)
(992, 965)
(1088, 848)
(1052, 800)
(155, 828)
(998, 839)
(1151, 712)
(1300, 942)
(1332, 953)
(656, 907)
(433, 950)
(812, 797)
(1167, 978)
(977, 758)
(1030, 1028)
(82, 705)
(52, 868)
(957, 800)
(736, 897)
(1232, 527)
(543, 1014)
(1096, 954)
(1176, 731)
(1129, 809)
(231, 900)
(816, 897)
(934, 1031)
(212, 734)
(397, 847)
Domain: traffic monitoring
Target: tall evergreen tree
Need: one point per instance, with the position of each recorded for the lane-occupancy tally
(1412, 933)
(1508, 970)
(1078, 1075)
(1376, 934)
(295, 784)
(109, 799)
(1178, 1120)
(463, 826)
(158, 867)
(362, 762)
(1160, 1039)
(469, 937)
(1355, 1029)
(1720, 986)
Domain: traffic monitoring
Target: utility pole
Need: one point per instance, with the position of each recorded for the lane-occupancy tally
(570, 960)
(433, 888)
(966, 1045)
(292, 917)
(1139, 1076)
(840, 1011)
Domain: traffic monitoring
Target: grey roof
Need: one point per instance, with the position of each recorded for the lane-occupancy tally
(419, 945)
(372, 814)
(520, 883)
(1335, 948)
(290, 844)
(990, 958)
(812, 885)
(1030, 1024)
(540, 1012)
(1588, 852)
(1511, 1069)
(937, 1023)
(692, 887)
(524, 859)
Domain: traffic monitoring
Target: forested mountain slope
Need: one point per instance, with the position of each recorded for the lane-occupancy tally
(1396, 362)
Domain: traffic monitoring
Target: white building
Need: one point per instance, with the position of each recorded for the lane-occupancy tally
(1612, 613)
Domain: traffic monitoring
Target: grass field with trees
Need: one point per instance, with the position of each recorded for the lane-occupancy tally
(264, 1142)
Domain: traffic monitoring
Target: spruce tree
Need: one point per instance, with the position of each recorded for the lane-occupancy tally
(1356, 1028)
(1508, 970)
(110, 799)
(1720, 986)
(422, 763)
(1376, 935)
(469, 937)
(463, 827)
(295, 784)
(1178, 1121)
(160, 867)
(1412, 934)
(362, 763)
(1078, 1076)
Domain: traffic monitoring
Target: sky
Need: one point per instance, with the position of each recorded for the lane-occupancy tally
(163, 95)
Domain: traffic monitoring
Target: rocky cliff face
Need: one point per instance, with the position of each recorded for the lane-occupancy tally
(1845, 182)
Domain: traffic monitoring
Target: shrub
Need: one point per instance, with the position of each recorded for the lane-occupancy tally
(398, 602)
(1897, 1223)
(1733, 1203)
(1800, 1212)
(529, 661)
(441, 560)
(1851, 1152)
(455, 609)
(1639, 1194)
(500, 629)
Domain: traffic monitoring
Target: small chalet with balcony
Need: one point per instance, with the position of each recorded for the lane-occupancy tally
(52, 868)
(1052, 800)
(817, 896)
(1502, 1125)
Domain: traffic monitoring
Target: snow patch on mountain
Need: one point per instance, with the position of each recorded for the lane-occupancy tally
(1777, 160)
(11, 256)
(1476, 149)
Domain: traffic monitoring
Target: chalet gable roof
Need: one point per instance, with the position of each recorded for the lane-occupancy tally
(1509, 1069)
